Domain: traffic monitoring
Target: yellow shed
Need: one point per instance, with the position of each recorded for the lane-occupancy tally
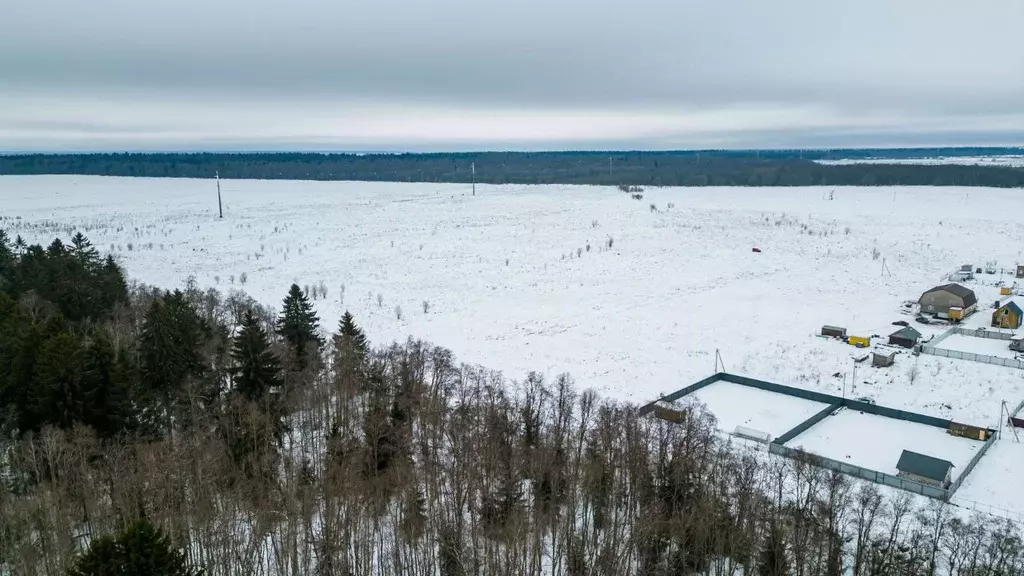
(1005, 291)
(859, 341)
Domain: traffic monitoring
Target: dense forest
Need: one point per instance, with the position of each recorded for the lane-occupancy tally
(685, 168)
(145, 431)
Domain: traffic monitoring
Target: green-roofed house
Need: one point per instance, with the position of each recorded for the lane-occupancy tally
(925, 469)
(906, 337)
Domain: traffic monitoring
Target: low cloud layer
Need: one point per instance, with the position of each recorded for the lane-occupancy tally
(413, 75)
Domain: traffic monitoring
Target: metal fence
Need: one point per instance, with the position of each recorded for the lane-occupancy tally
(971, 356)
(983, 333)
(648, 408)
(933, 349)
(863, 473)
(833, 403)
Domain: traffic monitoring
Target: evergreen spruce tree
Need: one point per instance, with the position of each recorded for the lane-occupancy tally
(256, 371)
(83, 250)
(350, 337)
(57, 397)
(172, 333)
(56, 248)
(257, 408)
(142, 549)
(298, 325)
(350, 358)
(106, 379)
(112, 285)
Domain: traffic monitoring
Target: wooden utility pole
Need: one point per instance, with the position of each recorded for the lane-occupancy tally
(472, 168)
(220, 206)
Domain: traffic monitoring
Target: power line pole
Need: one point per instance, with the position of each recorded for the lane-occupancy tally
(220, 206)
(472, 168)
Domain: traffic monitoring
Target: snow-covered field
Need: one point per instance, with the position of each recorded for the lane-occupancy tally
(876, 442)
(1008, 160)
(630, 297)
(735, 405)
(509, 281)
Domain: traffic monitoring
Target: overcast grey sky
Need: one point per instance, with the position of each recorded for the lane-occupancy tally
(516, 74)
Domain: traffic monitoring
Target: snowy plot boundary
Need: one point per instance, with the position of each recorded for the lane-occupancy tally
(934, 349)
(835, 403)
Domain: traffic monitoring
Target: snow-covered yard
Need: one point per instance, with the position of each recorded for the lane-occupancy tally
(993, 482)
(876, 442)
(736, 405)
(975, 345)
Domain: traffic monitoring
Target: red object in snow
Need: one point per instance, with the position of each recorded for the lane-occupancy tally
(757, 249)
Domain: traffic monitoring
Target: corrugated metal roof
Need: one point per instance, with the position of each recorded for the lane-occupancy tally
(924, 466)
(965, 293)
(906, 333)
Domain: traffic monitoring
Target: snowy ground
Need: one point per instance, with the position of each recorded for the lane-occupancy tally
(1009, 160)
(735, 405)
(510, 283)
(994, 481)
(876, 442)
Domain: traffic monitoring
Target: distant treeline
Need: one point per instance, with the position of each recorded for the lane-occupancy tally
(680, 168)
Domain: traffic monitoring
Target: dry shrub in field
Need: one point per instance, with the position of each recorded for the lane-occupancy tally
(243, 278)
(426, 307)
(398, 312)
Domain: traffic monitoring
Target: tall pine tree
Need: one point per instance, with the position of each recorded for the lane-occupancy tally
(299, 326)
(172, 333)
(107, 379)
(350, 336)
(256, 410)
(256, 370)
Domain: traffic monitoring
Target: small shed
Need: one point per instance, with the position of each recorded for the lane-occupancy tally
(906, 337)
(752, 434)
(925, 469)
(1020, 270)
(1017, 343)
(834, 331)
(883, 358)
(1008, 315)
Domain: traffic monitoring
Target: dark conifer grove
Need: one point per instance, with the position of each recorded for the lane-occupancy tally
(178, 432)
